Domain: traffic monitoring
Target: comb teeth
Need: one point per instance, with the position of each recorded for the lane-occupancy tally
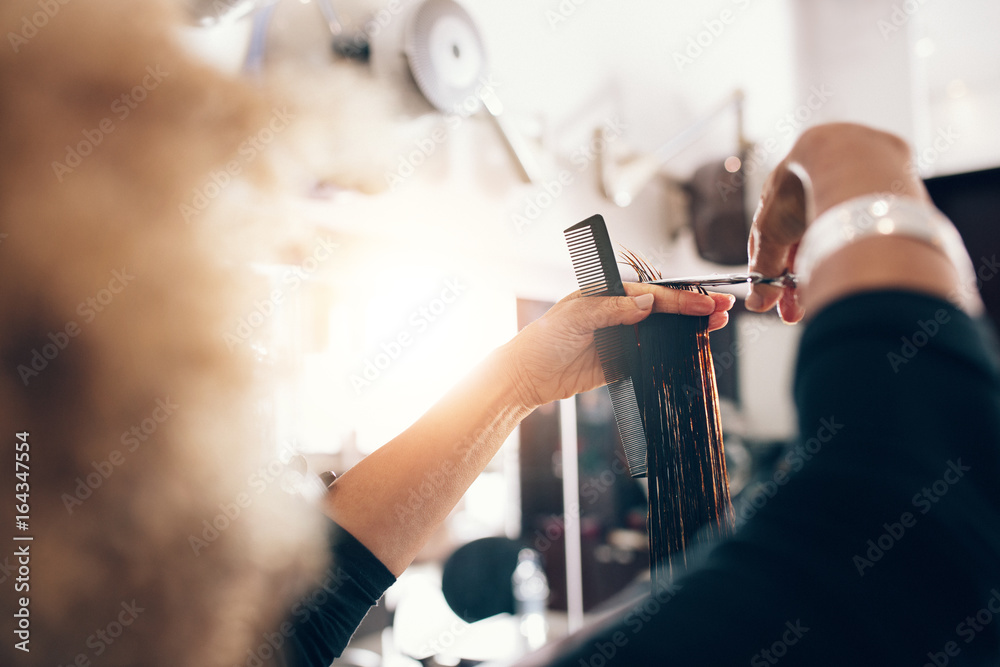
(629, 420)
(610, 344)
(594, 258)
(597, 274)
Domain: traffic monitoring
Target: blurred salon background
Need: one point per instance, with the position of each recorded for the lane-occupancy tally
(441, 150)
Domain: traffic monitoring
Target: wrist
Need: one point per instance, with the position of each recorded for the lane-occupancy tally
(889, 219)
(515, 386)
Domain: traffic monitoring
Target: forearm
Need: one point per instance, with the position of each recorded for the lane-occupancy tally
(394, 499)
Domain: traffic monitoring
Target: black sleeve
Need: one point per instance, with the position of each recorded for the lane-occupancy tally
(879, 543)
(321, 623)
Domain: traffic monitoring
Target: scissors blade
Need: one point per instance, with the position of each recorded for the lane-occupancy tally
(784, 280)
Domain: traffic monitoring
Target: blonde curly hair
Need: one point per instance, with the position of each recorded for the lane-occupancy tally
(141, 422)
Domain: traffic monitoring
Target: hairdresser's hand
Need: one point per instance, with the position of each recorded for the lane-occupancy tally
(554, 357)
(828, 165)
(778, 226)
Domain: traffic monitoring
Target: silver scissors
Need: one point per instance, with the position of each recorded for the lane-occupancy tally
(786, 279)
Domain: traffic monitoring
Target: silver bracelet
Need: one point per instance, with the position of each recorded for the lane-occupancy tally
(886, 215)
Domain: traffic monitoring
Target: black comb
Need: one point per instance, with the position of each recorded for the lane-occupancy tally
(597, 275)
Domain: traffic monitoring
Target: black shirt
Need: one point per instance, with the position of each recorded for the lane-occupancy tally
(320, 625)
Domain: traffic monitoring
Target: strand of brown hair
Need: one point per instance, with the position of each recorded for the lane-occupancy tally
(688, 484)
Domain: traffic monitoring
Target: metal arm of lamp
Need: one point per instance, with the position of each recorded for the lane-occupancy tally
(621, 181)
